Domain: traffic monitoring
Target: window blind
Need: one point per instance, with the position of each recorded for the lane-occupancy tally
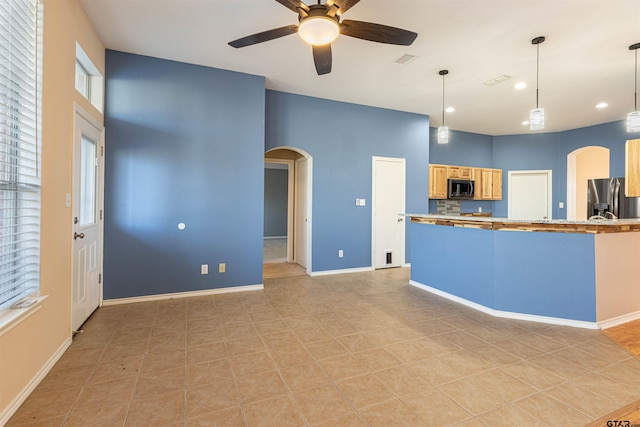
(20, 40)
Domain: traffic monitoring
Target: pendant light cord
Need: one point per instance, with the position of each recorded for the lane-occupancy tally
(635, 94)
(537, 71)
(443, 97)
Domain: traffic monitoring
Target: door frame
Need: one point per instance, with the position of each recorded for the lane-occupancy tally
(403, 250)
(290, 188)
(79, 112)
(309, 225)
(546, 172)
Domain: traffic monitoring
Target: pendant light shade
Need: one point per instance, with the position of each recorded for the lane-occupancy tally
(536, 116)
(443, 131)
(633, 118)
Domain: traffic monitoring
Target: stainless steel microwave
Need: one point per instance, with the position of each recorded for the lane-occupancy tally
(460, 189)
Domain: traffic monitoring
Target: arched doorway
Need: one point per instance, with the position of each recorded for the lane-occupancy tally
(583, 164)
(288, 255)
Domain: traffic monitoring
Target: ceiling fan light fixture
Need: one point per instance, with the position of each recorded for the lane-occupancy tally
(318, 30)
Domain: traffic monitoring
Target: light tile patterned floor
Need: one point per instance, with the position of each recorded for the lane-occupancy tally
(362, 349)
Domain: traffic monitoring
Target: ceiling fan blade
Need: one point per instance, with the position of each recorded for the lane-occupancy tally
(322, 58)
(344, 5)
(377, 32)
(264, 36)
(293, 5)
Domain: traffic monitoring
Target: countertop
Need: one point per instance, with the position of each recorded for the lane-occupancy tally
(553, 225)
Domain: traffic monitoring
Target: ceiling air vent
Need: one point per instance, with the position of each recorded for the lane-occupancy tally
(497, 80)
(404, 59)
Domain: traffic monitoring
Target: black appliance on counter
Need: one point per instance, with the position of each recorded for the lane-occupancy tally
(460, 189)
(605, 197)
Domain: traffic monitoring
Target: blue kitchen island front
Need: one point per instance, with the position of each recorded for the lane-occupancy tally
(579, 273)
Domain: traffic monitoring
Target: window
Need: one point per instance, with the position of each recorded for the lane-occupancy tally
(89, 81)
(20, 70)
(82, 80)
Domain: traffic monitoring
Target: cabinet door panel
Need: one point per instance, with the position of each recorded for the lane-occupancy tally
(487, 187)
(437, 182)
(496, 184)
(477, 178)
(632, 168)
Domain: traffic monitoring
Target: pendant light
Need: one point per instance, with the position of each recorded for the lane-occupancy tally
(536, 116)
(633, 118)
(443, 131)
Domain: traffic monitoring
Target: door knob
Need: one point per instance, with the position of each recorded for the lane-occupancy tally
(78, 236)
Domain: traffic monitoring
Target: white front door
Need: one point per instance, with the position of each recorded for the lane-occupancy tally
(301, 214)
(530, 195)
(388, 202)
(87, 247)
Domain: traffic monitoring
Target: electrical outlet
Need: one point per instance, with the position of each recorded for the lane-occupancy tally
(561, 205)
(222, 267)
(204, 269)
(340, 253)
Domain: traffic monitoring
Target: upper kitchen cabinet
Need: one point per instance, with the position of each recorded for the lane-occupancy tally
(459, 172)
(496, 184)
(632, 168)
(488, 182)
(437, 181)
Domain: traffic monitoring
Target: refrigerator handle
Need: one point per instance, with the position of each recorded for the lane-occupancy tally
(616, 199)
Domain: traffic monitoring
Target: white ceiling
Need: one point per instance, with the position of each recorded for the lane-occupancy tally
(584, 60)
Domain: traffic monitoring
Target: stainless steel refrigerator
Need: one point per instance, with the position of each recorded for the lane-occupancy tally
(606, 197)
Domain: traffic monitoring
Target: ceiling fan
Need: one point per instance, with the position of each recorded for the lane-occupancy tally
(319, 25)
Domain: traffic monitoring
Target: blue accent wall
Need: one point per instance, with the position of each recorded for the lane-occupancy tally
(342, 138)
(469, 274)
(543, 274)
(546, 274)
(550, 150)
(184, 143)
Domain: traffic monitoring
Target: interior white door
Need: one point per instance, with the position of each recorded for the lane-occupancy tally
(87, 247)
(301, 214)
(530, 195)
(388, 202)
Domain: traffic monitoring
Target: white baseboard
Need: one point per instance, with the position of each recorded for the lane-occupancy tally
(203, 292)
(342, 271)
(507, 314)
(274, 237)
(619, 320)
(8, 412)
(406, 264)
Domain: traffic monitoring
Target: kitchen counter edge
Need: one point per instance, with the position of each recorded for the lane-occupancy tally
(554, 225)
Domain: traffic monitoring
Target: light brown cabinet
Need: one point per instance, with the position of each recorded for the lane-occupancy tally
(486, 190)
(477, 178)
(466, 172)
(496, 184)
(438, 181)
(632, 168)
(488, 182)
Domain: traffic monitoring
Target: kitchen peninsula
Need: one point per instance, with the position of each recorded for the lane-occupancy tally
(578, 273)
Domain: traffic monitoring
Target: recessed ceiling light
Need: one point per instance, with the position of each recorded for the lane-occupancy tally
(525, 123)
(520, 85)
(450, 110)
(602, 105)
